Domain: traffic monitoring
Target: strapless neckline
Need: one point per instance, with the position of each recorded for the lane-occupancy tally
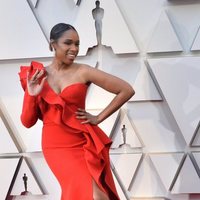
(67, 87)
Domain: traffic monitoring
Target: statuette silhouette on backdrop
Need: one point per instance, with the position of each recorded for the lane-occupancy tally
(25, 180)
(78, 2)
(98, 14)
(124, 135)
(124, 131)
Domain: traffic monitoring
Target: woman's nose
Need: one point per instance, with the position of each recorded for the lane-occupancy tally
(74, 47)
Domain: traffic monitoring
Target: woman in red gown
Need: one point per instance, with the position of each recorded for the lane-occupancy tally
(75, 148)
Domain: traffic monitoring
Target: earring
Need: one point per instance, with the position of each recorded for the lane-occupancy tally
(50, 47)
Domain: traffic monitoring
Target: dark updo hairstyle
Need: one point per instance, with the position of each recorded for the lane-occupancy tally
(58, 30)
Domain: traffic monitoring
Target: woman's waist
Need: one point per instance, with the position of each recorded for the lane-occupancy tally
(56, 136)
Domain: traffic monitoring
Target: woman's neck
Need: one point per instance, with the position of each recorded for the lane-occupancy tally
(59, 65)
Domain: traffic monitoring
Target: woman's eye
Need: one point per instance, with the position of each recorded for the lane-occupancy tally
(71, 42)
(68, 43)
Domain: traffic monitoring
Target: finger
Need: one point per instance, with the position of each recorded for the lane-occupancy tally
(81, 113)
(81, 117)
(85, 122)
(38, 75)
(41, 72)
(43, 80)
(29, 77)
(35, 74)
(82, 110)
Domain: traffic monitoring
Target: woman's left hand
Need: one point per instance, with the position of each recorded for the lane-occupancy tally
(86, 117)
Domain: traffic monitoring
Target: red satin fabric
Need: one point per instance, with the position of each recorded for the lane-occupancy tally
(75, 152)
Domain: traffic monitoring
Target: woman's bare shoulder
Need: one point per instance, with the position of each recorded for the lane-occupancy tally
(83, 66)
(83, 71)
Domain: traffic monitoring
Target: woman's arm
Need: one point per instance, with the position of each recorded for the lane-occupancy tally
(30, 110)
(110, 83)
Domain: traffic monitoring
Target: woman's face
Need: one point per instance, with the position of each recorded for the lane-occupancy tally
(67, 47)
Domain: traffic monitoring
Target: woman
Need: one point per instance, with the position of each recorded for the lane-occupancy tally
(75, 148)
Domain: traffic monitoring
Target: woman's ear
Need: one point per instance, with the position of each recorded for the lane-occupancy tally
(51, 46)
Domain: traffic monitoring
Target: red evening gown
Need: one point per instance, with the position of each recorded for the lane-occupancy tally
(76, 153)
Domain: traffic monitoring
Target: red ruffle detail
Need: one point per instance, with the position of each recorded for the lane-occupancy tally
(32, 68)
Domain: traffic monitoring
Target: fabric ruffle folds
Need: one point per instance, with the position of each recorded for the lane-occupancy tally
(97, 145)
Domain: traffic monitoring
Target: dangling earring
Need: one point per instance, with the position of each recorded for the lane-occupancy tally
(50, 47)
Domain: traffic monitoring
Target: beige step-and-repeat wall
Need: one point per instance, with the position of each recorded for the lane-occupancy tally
(152, 44)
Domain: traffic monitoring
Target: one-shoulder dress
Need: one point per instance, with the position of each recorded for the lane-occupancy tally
(76, 153)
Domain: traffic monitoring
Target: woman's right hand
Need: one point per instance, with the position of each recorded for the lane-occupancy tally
(34, 82)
